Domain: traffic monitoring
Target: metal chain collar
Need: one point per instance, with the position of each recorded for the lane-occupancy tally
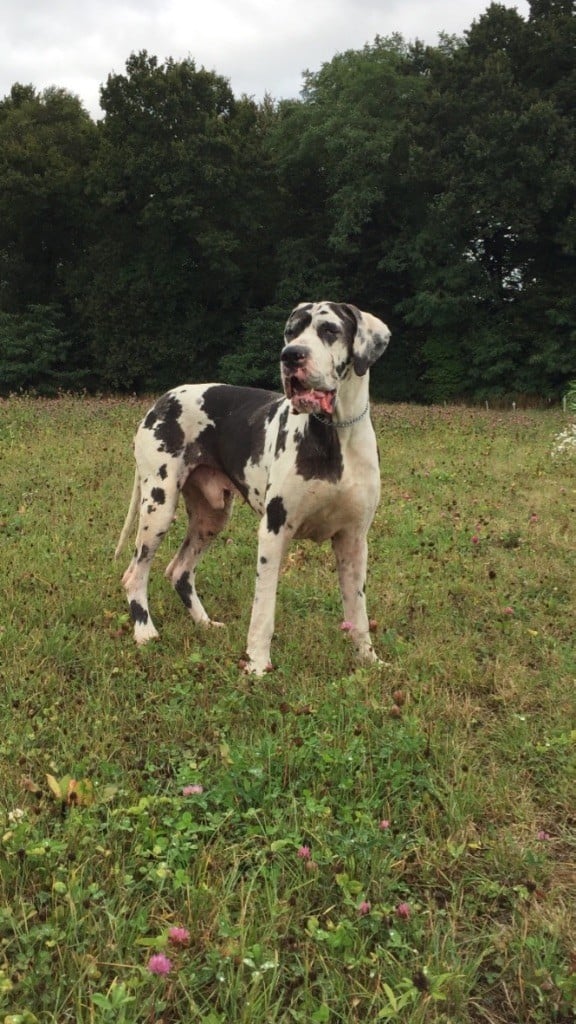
(342, 423)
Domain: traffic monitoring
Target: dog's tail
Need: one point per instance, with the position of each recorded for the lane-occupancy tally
(130, 516)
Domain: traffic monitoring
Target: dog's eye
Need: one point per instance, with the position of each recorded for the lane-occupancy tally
(330, 329)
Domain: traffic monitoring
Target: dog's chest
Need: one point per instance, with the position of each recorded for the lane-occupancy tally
(326, 509)
(327, 490)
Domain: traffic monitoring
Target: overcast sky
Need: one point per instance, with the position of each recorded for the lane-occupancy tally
(259, 45)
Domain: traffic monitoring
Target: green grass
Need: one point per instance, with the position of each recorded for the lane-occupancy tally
(472, 588)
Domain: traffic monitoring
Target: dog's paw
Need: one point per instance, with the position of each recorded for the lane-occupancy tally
(253, 668)
(371, 658)
(367, 655)
(143, 637)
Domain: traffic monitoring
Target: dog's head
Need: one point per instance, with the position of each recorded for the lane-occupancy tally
(325, 344)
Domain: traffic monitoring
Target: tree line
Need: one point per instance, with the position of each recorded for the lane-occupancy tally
(431, 185)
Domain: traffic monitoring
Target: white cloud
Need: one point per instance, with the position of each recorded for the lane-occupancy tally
(259, 45)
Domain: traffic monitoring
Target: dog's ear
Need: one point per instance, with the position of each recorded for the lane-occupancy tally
(371, 339)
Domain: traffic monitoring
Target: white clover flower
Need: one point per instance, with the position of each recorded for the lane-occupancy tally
(565, 442)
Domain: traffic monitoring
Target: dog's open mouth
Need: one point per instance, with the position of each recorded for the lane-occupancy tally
(309, 400)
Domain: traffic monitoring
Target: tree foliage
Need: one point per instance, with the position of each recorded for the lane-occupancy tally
(178, 184)
(497, 246)
(47, 143)
(34, 351)
(433, 186)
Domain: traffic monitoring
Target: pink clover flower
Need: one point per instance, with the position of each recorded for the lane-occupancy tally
(159, 964)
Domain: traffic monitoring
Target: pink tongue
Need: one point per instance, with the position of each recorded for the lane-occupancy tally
(325, 400)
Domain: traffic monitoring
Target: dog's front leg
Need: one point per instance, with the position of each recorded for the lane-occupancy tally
(272, 543)
(351, 551)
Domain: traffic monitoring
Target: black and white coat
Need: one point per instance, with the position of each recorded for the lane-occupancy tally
(305, 461)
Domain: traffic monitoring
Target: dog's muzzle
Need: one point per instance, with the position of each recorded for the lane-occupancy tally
(299, 388)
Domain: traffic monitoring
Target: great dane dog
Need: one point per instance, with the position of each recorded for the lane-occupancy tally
(305, 461)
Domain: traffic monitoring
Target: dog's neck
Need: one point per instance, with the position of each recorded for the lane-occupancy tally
(352, 401)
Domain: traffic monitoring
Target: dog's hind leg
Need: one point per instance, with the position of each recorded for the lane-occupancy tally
(159, 497)
(209, 496)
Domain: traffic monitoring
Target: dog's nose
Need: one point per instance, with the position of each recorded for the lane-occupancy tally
(294, 355)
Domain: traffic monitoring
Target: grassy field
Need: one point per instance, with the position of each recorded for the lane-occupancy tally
(340, 845)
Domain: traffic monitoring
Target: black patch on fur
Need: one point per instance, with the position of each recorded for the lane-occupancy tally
(329, 333)
(143, 553)
(282, 432)
(158, 494)
(168, 431)
(184, 589)
(138, 613)
(298, 322)
(238, 432)
(275, 515)
(349, 324)
(344, 313)
(342, 369)
(163, 472)
(319, 455)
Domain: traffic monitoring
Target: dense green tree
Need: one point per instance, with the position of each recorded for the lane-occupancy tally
(47, 142)
(344, 156)
(182, 194)
(436, 185)
(433, 186)
(34, 351)
(255, 361)
(494, 255)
